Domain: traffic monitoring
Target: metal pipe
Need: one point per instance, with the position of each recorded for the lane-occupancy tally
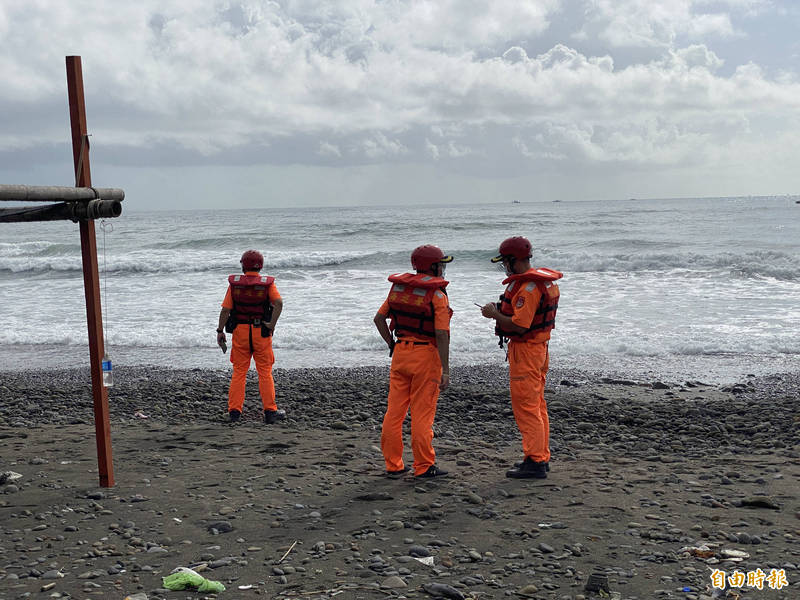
(73, 211)
(54, 193)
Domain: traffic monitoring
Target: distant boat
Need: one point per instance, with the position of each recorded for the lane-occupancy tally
(515, 202)
(556, 200)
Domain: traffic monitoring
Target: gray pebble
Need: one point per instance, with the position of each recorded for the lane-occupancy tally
(392, 583)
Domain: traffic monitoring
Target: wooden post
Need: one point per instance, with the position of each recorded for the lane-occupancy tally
(91, 278)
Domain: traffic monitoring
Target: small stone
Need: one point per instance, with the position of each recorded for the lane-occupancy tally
(92, 574)
(220, 527)
(53, 574)
(393, 583)
(473, 498)
(442, 590)
(222, 562)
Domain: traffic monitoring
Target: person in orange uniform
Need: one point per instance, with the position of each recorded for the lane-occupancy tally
(419, 315)
(524, 317)
(250, 310)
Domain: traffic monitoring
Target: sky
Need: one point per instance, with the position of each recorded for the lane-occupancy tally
(256, 103)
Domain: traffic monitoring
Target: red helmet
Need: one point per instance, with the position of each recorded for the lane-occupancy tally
(519, 247)
(252, 260)
(424, 256)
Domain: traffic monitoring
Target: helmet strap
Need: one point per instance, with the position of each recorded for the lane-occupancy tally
(512, 260)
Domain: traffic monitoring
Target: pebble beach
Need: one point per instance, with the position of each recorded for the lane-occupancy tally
(655, 486)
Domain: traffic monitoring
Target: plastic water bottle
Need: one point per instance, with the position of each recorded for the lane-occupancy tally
(108, 374)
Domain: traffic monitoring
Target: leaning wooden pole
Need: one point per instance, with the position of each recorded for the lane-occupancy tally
(91, 277)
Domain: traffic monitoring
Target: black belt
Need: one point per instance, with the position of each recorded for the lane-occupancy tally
(415, 343)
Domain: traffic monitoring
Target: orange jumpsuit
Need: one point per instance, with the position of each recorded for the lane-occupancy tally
(241, 354)
(414, 385)
(527, 369)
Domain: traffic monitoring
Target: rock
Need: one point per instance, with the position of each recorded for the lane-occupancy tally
(222, 562)
(473, 498)
(94, 574)
(375, 496)
(52, 574)
(393, 583)
(418, 551)
(760, 502)
(220, 527)
(441, 590)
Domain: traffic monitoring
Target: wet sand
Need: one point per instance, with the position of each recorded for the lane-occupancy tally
(642, 473)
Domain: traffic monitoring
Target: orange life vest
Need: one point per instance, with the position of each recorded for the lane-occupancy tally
(411, 304)
(544, 319)
(250, 295)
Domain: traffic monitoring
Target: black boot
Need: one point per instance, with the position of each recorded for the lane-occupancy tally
(433, 471)
(273, 416)
(546, 465)
(528, 469)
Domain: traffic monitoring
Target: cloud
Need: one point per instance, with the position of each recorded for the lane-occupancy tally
(642, 23)
(470, 86)
(328, 149)
(431, 149)
(379, 146)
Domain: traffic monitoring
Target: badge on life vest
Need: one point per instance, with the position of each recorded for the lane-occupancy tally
(520, 302)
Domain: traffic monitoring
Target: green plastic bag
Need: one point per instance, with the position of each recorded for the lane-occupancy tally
(183, 577)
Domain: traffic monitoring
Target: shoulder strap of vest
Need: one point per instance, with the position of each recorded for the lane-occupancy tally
(419, 280)
(241, 279)
(541, 274)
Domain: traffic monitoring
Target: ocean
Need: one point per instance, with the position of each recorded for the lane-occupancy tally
(686, 289)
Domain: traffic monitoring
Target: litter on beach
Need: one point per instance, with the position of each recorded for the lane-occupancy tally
(183, 578)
